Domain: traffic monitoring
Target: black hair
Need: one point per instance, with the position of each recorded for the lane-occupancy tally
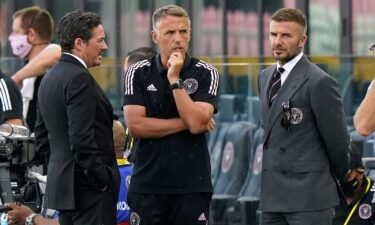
(76, 24)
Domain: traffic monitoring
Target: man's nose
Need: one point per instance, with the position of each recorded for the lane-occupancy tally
(177, 37)
(105, 46)
(278, 39)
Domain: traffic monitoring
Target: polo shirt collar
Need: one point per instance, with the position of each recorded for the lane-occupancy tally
(161, 68)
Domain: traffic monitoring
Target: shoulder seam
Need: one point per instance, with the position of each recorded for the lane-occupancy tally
(214, 85)
(129, 76)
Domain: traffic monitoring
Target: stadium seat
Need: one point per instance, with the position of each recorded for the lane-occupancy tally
(228, 112)
(233, 168)
(244, 211)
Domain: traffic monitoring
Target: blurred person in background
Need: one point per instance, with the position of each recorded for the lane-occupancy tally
(364, 118)
(359, 205)
(125, 168)
(138, 54)
(32, 32)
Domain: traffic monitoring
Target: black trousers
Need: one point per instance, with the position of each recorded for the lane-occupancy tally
(98, 209)
(321, 217)
(181, 209)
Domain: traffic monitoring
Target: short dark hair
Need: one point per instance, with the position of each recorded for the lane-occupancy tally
(76, 24)
(169, 10)
(37, 18)
(139, 54)
(290, 15)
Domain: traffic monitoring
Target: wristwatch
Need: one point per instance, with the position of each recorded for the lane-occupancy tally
(29, 219)
(178, 84)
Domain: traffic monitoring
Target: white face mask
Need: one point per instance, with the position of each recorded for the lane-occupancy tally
(20, 46)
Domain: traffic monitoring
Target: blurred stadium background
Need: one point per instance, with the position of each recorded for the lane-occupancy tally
(232, 35)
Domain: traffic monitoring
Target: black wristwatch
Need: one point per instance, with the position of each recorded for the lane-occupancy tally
(178, 84)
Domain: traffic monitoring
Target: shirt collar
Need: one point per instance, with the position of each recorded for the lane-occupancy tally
(161, 68)
(290, 65)
(78, 58)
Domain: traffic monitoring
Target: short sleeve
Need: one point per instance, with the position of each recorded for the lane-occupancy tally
(208, 86)
(133, 85)
(11, 99)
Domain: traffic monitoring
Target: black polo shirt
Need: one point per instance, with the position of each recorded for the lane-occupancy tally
(364, 211)
(11, 99)
(176, 163)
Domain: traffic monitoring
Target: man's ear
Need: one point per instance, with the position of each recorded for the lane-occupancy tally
(79, 44)
(154, 36)
(31, 35)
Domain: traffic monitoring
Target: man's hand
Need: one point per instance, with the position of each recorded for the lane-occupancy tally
(211, 125)
(18, 213)
(175, 63)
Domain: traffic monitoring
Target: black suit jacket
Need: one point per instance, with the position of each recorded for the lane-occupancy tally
(74, 127)
(300, 163)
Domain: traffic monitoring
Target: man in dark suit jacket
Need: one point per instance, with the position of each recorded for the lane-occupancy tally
(306, 143)
(74, 127)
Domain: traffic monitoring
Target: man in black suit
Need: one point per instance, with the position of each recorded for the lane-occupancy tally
(74, 127)
(306, 142)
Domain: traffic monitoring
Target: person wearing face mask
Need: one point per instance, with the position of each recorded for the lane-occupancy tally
(359, 204)
(32, 31)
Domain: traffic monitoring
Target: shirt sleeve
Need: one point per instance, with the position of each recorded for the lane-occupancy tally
(208, 86)
(133, 87)
(11, 99)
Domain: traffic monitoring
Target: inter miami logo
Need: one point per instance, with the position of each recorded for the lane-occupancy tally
(296, 116)
(365, 211)
(191, 85)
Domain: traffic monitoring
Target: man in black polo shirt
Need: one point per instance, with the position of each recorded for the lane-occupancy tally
(168, 103)
(359, 205)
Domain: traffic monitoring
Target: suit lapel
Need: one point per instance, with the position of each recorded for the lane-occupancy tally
(296, 78)
(264, 94)
(71, 59)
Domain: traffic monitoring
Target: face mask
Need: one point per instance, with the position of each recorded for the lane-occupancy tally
(349, 187)
(20, 46)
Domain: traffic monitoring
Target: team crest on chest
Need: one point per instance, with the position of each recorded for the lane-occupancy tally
(296, 116)
(365, 211)
(191, 85)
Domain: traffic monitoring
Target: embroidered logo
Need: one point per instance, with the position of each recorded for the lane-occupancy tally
(202, 217)
(364, 211)
(191, 85)
(134, 218)
(151, 87)
(296, 116)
